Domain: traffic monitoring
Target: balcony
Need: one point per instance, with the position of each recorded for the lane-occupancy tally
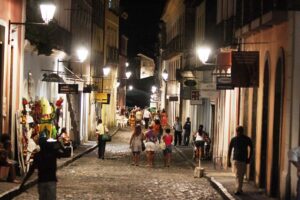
(174, 47)
(112, 55)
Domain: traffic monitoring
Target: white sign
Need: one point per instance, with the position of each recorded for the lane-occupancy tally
(195, 97)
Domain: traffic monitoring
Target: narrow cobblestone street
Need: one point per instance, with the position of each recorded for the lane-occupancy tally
(115, 178)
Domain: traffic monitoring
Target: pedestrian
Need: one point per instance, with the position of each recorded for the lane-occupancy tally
(207, 143)
(178, 131)
(132, 120)
(138, 116)
(100, 131)
(135, 144)
(187, 131)
(294, 155)
(45, 161)
(151, 139)
(147, 117)
(168, 139)
(240, 144)
(163, 118)
(157, 129)
(199, 143)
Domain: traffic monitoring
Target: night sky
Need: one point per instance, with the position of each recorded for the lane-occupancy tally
(141, 26)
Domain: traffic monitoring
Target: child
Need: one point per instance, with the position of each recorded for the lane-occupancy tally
(168, 139)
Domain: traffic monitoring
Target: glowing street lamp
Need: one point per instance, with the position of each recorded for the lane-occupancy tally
(130, 87)
(106, 71)
(127, 64)
(203, 53)
(47, 11)
(165, 75)
(153, 89)
(82, 54)
(128, 74)
(118, 83)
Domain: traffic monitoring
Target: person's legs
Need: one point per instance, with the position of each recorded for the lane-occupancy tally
(179, 138)
(42, 190)
(240, 169)
(103, 149)
(187, 139)
(99, 146)
(51, 190)
(176, 138)
(151, 158)
(137, 159)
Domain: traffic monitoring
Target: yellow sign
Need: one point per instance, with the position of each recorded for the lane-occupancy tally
(102, 97)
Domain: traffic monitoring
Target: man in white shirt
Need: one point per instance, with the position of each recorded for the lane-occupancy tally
(146, 116)
(138, 116)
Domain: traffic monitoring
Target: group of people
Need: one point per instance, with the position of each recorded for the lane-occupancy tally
(150, 142)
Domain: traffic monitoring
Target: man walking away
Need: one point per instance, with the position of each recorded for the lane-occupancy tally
(187, 131)
(178, 130)
(146, 116)
(45, 162)
(240, 144)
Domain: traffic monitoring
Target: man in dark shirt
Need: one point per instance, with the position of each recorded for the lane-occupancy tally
(187, 131)
(240, 144)
(45, 162)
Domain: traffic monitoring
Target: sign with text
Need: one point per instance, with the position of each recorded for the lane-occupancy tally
(68, 88)
(173, 98)
(102, 97)
(195, 97)
(208, 86)
(245, 68)
(224, 83)
(209, 94)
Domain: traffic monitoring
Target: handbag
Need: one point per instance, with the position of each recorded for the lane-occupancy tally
(106, 137)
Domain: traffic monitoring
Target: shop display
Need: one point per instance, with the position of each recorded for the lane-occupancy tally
(37, 119)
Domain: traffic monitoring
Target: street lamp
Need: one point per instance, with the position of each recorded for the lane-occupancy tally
(82, 54)
(165, 75)
(127, 64)
(153, 89)
(203, 53)
(130, 87)
(47, 12)
(118, 83)
(106, 71)
(128, 74)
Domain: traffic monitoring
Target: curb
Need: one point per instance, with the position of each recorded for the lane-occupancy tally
(15, 191)
(217, 185)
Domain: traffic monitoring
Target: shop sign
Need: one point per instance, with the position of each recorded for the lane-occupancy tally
(68, 88)
(102, 97)
(224, 83)
(195, 97)
(245, 68)
(173, 98)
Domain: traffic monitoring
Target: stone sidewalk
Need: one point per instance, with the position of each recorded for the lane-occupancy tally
(223, 180)
(9, 190)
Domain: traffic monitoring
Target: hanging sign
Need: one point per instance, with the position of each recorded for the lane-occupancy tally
(102, 97)
(68, 88)
(224, 83)
(195, 97)
(173, 98)
(245, 67)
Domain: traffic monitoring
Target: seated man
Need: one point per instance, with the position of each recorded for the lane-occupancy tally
(6, 163)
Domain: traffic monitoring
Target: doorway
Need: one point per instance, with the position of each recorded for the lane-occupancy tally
(2, 42)
(253, 133)
(264, 133)
(277, 128)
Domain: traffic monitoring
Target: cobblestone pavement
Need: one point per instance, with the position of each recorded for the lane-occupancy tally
(115, 178)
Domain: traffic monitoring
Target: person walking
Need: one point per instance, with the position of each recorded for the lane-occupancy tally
(178, 131)
(138, 116)
(151, 139)
(45, 161)
(163, 118)
(240, 144)
(199, 143)
(135, 144)
(168, 139)
(146, 116)
(100, 130)
(187, 132)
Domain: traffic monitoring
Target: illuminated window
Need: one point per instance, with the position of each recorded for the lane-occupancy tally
(110, 4)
